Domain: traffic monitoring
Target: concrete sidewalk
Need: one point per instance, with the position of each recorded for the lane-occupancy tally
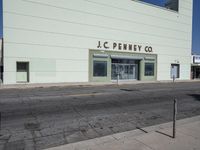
(46, 85)
(151, 138)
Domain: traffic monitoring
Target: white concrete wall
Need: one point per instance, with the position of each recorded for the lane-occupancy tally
(55, 35)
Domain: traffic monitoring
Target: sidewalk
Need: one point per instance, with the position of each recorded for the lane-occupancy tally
(46, 85)
(157, 138)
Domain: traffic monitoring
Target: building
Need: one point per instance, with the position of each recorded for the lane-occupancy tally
(195, 67)
(1, 61)
(48, 41)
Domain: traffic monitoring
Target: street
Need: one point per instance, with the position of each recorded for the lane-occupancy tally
(38, 118)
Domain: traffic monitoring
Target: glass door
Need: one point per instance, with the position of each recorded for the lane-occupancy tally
(132, 72)
(125, 71)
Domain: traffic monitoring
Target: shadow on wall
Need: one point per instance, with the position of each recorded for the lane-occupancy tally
(196, 96)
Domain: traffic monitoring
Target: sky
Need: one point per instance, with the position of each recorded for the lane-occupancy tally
(196, 23)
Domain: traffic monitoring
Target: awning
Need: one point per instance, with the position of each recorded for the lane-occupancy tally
(126, 57)
(100, 55)
(195, 65)
(149, 58)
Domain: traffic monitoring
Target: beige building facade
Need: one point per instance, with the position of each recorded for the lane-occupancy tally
(48, 41)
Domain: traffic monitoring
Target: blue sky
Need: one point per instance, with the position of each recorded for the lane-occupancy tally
(196, 27)
(196, 23)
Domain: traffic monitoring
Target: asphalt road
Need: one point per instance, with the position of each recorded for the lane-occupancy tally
(38, 118)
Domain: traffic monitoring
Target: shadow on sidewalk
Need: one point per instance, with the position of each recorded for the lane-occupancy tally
(155, 131)
(164, 134)
(196, 96)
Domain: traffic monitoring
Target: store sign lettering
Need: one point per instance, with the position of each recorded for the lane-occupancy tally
(124, 47)
(196, 59)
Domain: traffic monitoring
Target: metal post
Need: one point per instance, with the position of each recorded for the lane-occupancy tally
(0, 123)
(118, 79)
(174, 118)
(174, 78)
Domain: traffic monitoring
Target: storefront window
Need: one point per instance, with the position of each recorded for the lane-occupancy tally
(100, 68)
(149, 69)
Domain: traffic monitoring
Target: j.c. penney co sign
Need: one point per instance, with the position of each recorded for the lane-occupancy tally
(123, 47)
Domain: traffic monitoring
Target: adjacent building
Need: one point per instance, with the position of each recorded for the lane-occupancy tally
(48, 41)
(195, 67)
(1, 61)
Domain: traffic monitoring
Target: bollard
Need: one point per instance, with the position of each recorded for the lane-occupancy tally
(174, 118)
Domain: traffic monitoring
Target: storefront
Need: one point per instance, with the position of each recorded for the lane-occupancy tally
(110, 66)
(195, 67)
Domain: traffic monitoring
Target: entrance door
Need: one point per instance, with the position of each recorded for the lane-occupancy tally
(133, 72)
(175, 69)
(125, 71)
(197, 72)
(22, 72)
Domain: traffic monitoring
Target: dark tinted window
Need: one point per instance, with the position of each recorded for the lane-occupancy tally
(100, 69)
(169, 4)
(22, 66)
(149, 69)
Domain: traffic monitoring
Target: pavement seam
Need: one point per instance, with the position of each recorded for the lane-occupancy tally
(188, 135)
(144, 144)
(115, 138)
